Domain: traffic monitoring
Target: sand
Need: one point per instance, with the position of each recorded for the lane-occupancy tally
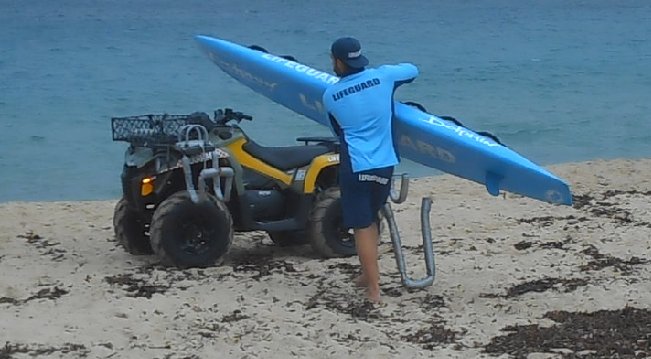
(550, 274)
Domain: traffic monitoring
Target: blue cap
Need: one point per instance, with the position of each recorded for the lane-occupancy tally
(348, 50)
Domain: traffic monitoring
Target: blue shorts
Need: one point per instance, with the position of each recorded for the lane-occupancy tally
(363, 194)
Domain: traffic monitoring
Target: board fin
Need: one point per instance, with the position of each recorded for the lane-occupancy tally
(493, 183)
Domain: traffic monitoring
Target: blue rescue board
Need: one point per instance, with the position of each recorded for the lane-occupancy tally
(423, 138)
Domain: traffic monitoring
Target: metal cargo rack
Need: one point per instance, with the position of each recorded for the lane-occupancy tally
(149, 130)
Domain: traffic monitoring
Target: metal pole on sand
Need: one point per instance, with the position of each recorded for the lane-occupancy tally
(428, 250)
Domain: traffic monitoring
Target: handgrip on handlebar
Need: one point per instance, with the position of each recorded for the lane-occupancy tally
(224, 116)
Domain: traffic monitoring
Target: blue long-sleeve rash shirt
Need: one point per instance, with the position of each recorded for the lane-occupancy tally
(360, 108)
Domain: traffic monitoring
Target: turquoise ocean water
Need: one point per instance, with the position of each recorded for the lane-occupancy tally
(556, 80)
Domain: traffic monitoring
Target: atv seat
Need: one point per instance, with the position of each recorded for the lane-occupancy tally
(285, 158)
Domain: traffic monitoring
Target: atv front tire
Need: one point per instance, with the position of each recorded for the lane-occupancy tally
(130, 229)
(327, 234)
(187, 234)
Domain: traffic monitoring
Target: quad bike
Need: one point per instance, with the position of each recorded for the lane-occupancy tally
(169, 208)
(190, 181)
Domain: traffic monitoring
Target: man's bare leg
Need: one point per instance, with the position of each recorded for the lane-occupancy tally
(366, 241)
(360, 281)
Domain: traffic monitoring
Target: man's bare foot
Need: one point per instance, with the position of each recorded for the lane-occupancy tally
(373, 294)
(361, 281)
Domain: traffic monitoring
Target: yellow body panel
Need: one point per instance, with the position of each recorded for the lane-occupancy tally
(317, 165)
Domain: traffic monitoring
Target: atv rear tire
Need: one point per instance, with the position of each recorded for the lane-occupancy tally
(187, 234)
(130, 229)
(289, 238)
(327, 234)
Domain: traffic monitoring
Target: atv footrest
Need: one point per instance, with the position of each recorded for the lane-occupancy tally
(290, 224)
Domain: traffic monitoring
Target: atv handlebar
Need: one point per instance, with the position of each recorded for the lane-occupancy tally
(222, 117)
